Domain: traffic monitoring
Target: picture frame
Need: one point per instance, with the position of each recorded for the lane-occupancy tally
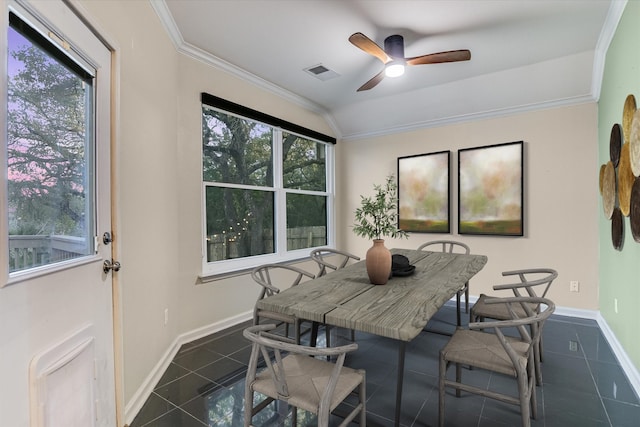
(490, 190)
(424, 193)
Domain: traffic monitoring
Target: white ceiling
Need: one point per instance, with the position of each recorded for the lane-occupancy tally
(525, 54)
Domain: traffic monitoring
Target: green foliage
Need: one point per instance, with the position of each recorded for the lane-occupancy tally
(377, 216)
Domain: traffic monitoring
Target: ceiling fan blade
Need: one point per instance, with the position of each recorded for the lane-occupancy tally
(373, 82)
(363, 42)
(436, 58)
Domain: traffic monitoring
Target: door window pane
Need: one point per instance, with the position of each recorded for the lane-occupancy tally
(50, 201)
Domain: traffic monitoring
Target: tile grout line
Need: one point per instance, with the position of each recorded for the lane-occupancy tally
(595, 384)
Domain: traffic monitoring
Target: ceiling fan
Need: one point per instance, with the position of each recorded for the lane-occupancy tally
(393, 56)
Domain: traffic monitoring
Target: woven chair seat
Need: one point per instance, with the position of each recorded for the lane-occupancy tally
(307, 378)
(497, 311)
(483, 350)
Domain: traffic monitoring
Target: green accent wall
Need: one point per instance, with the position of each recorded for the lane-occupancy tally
(619, 270)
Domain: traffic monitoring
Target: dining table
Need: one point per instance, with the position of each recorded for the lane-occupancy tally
(399, 309)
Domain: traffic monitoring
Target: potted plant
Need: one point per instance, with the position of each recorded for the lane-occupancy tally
(376, 218)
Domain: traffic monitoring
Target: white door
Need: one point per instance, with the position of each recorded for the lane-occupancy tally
(56, 302)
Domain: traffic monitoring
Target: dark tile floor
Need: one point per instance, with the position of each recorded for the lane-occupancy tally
(583, 383)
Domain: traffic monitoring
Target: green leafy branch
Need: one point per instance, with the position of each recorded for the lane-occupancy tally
(377, 216)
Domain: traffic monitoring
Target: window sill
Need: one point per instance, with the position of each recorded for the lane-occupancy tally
(216, 277)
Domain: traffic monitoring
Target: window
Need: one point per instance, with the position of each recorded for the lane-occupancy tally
(49, 150)
(267, 189)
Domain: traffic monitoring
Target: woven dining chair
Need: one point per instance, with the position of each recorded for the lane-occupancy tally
(331, 260)
(531, 279)
(304, 382)
(451, 246)
(273, 278)
(498, 353)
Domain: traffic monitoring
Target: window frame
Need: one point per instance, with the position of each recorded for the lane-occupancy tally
(49, 37)
(215, 269)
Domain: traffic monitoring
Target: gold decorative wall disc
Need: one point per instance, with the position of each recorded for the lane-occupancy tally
(602, 168)
(615, 144)
(627, 116)
(609, 190)
(634, 144)
(625, 180)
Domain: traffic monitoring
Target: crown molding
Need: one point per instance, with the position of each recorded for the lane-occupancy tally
(195, 52)
(611, 22)
(484, 115)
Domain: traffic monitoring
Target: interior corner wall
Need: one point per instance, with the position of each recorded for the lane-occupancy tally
(560, 200)
(619, 269)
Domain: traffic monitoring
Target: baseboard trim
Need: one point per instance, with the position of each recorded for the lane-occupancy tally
(627, 365)
(139, 398)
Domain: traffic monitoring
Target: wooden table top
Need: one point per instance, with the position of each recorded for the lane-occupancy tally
(399, 310)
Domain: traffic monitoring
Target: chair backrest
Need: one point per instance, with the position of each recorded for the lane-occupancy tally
(533, 321)
(450, 246)
(268, 274)
(266, 347)
(531, 278)
(339, 259)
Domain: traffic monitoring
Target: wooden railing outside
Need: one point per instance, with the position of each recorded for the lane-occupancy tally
(33, 251)
(220, 247)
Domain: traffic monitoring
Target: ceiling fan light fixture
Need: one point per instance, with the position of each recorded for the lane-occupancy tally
(394, 69)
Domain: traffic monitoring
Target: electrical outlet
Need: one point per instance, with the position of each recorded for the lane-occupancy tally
(615, 305)
(166, 316)
(574, 286)
(573, 346)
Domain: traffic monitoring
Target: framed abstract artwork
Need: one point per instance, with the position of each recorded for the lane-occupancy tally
(424, 193)
(490, 190)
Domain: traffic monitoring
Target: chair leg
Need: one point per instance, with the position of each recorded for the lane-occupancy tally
(458, 309)
(443, 373)
(458, 377)
(525, 399)
(363, 400)
(538, 367)
(248, 407)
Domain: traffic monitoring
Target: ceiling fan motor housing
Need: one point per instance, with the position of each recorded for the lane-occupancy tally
(394, 46)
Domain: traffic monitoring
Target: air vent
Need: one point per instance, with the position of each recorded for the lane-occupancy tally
(321, 72)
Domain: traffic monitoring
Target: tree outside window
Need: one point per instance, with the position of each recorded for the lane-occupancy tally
(49, 206)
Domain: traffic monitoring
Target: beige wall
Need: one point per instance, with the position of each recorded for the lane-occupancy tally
(561, 194)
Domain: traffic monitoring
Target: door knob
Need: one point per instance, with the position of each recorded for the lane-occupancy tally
(110, 265)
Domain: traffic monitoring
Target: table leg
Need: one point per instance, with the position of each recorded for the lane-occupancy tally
(402, 346)
(314, 334)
